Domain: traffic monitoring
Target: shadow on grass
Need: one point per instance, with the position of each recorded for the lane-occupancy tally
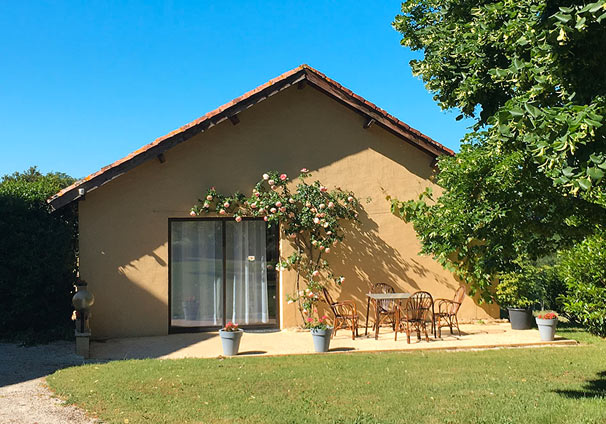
(595, 388)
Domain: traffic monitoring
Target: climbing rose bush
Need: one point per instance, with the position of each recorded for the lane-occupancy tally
(310, 218)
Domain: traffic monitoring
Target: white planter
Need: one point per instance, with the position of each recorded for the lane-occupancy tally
(547, 328)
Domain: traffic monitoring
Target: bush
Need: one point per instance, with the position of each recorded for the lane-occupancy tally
(38, 251)
(532, 284)
(583, 269)
(520, 288)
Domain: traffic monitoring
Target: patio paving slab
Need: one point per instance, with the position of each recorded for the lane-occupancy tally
(292, 342)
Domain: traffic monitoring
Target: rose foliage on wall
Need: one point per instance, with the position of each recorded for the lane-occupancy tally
(310, 217)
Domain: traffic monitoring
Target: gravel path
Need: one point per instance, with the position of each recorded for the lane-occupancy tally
(24, 397)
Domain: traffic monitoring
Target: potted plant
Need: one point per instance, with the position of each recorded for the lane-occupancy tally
(320, 332)
(516, 292)
(231, 335)
(547, 322)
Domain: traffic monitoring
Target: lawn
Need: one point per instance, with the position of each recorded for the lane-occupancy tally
(540, 385)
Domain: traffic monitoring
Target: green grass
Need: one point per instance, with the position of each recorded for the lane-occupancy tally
(542, 385)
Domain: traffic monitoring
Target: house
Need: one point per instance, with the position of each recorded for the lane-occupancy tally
(154, 269)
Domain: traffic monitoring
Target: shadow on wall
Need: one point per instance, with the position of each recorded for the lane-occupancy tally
(366, 259)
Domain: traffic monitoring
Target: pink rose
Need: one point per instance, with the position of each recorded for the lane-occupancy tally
(206, 205)
(253, 206)
(328, 250)
(322, 248)
(222, 212)
(310, 319)
(226, 205)
(265, 219)
(278, 204)
(323, 189)
(265, 177)
(192, 213)
(291, 200)
(283, 177)
(238, 219)
(350, 199)
(315, 273)
(273, 210)
(209, 198)
(322, 205)
(282, 209)
(304, 170)
(271, 182)
(316, 220)
(331, 205)
(257, 194)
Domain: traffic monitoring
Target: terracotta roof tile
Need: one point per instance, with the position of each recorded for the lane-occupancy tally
(99, 178)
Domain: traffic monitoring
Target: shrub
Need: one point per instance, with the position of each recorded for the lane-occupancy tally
(518, 289)
(38, 251)
(532, 284)
(583, 269)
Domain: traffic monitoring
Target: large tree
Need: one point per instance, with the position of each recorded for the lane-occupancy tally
(530, 175)
(530, 71)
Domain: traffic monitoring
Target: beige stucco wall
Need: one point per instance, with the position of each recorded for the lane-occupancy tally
(124, 224)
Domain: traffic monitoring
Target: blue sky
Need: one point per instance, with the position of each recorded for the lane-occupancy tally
(83, 84)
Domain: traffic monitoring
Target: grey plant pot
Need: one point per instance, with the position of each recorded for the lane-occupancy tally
(230, 341)
(547, 328)
(321, 339)
(520, 319)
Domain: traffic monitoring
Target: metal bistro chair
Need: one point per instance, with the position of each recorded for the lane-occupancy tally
(413, 315)
(345, 314)
(447, 309)
(386, 308)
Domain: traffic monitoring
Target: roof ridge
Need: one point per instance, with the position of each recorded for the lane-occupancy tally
(229, 109)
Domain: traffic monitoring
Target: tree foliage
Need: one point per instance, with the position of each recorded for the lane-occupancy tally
(583, 269)
(530, 71)
(38, 266)
(529, 179)
(497, 210)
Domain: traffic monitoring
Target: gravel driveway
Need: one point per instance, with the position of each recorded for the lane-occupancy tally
(24, 397)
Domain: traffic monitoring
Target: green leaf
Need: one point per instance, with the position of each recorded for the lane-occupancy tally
(595, 173)
(562, 17)
(584, 183)
(533, 110)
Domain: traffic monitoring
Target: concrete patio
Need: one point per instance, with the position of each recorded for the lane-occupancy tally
(292, 342)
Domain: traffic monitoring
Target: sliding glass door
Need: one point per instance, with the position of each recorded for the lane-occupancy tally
(222, 270)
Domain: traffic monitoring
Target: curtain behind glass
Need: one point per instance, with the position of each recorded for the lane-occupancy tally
(196, 273)
(246, 290)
